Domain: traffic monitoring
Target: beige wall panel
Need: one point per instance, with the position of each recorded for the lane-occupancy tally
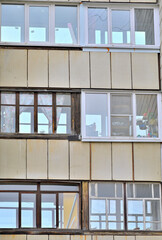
(122, 161)
(12, 158)
(101, 237)
(119, 0)
(37, 237)
(148, 237)
(145, 70)
(37, 159)
(147, 161)
(58, 69)
(12, 237)
(101, 161)
(121, 70)
(80, 237)
(124, 237)
(58, 159)
(100, 70)
(144, 1)
(37, 68)
(79, 160)
(59, 237)
(79, 69)
(13, 68)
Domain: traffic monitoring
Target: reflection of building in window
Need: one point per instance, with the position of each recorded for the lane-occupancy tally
(106, 206)
(143, 207)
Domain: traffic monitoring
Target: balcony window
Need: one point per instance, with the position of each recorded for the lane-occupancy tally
(143, 207)
(38, 24)
(12, 23)
(121, 116)
(97, 26)
(106, 206)
(66, 29)
(39, 206)
(121, 27)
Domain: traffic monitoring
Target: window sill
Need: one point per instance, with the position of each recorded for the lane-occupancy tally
(118, 139)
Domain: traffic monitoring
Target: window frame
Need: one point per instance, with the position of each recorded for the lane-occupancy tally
(75, 118)
(110, 138)
(38, 209)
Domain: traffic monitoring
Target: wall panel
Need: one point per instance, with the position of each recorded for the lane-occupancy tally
(37, 237)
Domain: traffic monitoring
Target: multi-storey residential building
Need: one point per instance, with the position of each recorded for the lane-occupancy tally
(81, 122)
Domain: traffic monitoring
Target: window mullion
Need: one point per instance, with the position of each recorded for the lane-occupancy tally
(125, 208)
(38, 207)
(57, 210)
(35, 113)
(54, 112)
(17, 113)
(19, 215)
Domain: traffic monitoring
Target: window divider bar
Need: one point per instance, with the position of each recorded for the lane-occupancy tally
(125, 207)
(73, 101)
(54, 112)
(35, 113)
(38, 207)
(57, 210)
(19, 216)
(17, 113)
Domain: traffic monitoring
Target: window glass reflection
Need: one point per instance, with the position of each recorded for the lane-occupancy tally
(28, 210)
(48, 210)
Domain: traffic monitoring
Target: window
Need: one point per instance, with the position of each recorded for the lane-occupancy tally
(12, 23)
(143, 207)
(108, 116)
(42, 113)
(106, 206)
(39, 206)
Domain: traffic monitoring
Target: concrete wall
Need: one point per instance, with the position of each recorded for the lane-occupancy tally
(75, 160)
(33, 68)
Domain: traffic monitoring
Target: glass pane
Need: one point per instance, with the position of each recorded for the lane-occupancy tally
(44, 99)
(143, 190)
(135, 214)
(63, 115)
(48, 210)
(63, 99)
(26, 99)
(106, 189)
(97, 26)
(8, 98)
(12, 23)
(115, 214)
(156, 191)
(44, 120)
(119, 189)
(130, 190)
(152, 210)
(97, 213)
(121, 27)
(66, 24)
(144, 27)
(59, 188)
(38, 24)
(96, 115)
(8, 119)
(146, 116)
(26, 119)
(28, 210)
(9, 210)
(69, 210)
(18, 187)
(121, 126)
(121, 104)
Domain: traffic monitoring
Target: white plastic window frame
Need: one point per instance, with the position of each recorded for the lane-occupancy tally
(51, 36)
(144, 199)
(132, 26)
(110, 138)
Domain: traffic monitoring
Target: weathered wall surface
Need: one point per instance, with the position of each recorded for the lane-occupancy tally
(33, 68)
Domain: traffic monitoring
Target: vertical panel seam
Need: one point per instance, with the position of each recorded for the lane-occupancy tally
(131, 66)
(69, 160)
(69, 68)
(133, 161)
(110, 70)
(111, 161)
(90, 156)
(47, 160)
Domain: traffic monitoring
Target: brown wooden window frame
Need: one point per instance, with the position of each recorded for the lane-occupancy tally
(75, 115)
(38, 227)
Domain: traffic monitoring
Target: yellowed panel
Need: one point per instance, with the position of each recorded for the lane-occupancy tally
(119, 0)
(12, 237)
(148, 237)
(79, 69)
(121, 70)
(58, 159)
(13, 68)
(102, 237)
(12, 158)
(101, 161)
(37, 237)
(122, 161)
(124, 237)
(59, 237)
(79, 160)
(145, 70)
(58, 69)
(144, 1)
(80, 237)
(37, 159)
(147, 165)
(100, 70)
(37, 68)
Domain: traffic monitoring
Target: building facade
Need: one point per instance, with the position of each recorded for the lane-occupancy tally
(81, 122)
